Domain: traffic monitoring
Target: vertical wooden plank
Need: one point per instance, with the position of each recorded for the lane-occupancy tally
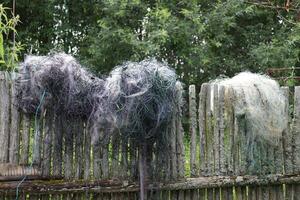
(239, 193)
(216, 133)
(165, 194)
(210, 194)
(14, 146)
(187, 195)
(222, 153)
(226, 193)
(46, 162)
(163, 158)
(195, 194)
(25, 139)
(259, 193)
(154, 194)
(296, 130)
(230, 122)
(193, 129)
(289, 192)
(115, 155)
(223, 193)
(45, 197)
(96, 159)
(208, 133)
(265, 193)
(297, 191)
(4, 117)
(217, 193)
(57, 146)
(79, 141)
(78, 196)
(173, 195)
(87, 152)
(180, 134)
(38, 135)
(124, 158)
(244, 192)
(173, 155)
(236, 147)
(241, 136)
(251, 193)
(202, 194)
(279, 192)
(180, 195)
(56, 197)
(149, 162)
(105, 161)
(87, 195)
(275, 192)
(68, 156)
(34, 197)
(116, 196)
(287, 138)
(126, 196)
(202, 126)
(133, 159)
(278, 158)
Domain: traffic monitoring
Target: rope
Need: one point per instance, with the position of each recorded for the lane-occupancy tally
(36, 124)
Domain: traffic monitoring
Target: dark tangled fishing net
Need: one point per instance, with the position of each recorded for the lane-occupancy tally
(137, 101)
(139, 98)
(67, 87)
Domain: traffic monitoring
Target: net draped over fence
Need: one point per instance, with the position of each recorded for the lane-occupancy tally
(216, 167)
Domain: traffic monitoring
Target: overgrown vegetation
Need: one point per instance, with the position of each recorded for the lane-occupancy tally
(9, 49)
(201, 39)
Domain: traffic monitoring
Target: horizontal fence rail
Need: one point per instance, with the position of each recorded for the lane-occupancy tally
(58, 160)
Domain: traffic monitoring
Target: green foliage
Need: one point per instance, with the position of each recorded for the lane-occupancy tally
(8, 50)
(201, 39)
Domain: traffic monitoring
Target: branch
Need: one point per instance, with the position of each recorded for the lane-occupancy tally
(266, 5)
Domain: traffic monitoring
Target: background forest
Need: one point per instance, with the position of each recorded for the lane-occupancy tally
(201, 39)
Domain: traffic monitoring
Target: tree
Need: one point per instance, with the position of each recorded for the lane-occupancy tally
(201, 39)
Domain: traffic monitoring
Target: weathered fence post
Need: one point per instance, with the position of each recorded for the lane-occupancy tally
(87, 151)
(193, 129)
(68, 156)
(222, 153)
(4, 117)
(15, 125)
(287, 138)
(25, 139)
(46, 162)
(209, 133)
(38, 135)
(79, 142)
(216, 129)
(57, 146)
(296, 130)
(202, 128)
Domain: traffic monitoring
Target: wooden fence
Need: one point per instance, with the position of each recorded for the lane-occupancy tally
(63, 163)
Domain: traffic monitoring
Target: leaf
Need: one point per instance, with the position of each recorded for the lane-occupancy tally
(1, 47)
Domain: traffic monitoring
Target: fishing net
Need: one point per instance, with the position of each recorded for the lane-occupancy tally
(68, 87)
(139, 98)
(260, 116)
(259, 100)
